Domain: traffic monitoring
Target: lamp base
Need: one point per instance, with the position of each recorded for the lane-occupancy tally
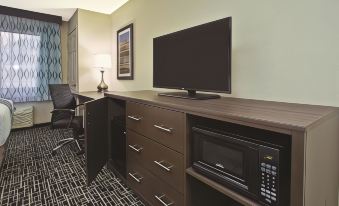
(102, 87)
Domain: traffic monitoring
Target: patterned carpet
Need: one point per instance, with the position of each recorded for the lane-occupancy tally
(32, 176)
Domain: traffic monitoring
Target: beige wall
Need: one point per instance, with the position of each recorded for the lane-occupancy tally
(42, 109)
(282, 50)
(94, 36)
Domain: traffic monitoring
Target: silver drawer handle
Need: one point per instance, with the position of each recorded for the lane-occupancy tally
(134, 177)
(134, 148)
(160, 164)
(134, 118)
(159, 198)
(161, 127)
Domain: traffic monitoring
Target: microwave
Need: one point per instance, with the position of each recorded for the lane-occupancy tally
(256, 169)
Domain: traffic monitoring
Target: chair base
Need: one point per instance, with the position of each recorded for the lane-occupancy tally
(67, 141)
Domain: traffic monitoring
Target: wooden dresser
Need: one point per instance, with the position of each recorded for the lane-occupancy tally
(155, 159)
(158, 145)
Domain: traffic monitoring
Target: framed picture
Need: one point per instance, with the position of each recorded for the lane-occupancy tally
(125, 53)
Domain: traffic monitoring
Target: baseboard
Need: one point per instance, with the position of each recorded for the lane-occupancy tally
(34, 126)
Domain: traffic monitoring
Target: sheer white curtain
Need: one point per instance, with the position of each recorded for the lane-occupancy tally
(29, 58)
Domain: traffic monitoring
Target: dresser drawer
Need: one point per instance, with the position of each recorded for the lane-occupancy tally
(164, 126)
(137, 117)
(167, 128)
(139, 179)
(153, 190)
(163, 162)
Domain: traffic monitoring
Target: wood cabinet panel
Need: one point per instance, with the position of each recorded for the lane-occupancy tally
(167, 128)
(165, 163)
(137, 118)
(96, 137)
(307, 124)
(162, 125)
(154, 191)
(139, 179)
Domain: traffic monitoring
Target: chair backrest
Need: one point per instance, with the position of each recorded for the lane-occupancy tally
(62, 96)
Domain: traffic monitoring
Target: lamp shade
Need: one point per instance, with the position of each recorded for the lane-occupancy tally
(102, 61)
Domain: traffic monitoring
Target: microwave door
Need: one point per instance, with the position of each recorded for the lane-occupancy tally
(225, 159)
(228, 158)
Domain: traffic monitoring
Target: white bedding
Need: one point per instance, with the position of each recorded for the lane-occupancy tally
(6, 109)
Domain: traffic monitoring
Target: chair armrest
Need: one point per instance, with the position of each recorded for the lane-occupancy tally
(69, 111)
(72, 111)
(78, 105)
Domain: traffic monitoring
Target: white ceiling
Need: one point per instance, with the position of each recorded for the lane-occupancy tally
(64, 8)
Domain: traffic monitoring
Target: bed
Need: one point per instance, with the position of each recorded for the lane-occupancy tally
(6, 113)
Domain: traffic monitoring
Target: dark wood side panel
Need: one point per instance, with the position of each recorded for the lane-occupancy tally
(297, 168)
(96, 137)
(322, 164)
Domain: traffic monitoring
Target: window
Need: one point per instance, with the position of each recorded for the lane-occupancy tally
(20, 53)
(29, 58)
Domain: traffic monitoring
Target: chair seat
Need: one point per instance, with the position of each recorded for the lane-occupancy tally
(77, 123)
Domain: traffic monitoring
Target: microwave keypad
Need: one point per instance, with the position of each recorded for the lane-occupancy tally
(269, 179)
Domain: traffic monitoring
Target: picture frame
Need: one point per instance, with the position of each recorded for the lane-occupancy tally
(125, 60)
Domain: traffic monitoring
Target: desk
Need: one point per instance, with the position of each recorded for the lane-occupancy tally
(91, 95)
(159, 128)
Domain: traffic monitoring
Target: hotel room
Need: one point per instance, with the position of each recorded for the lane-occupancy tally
(169, 102)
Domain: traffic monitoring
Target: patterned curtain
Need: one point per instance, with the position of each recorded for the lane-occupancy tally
(30, 58)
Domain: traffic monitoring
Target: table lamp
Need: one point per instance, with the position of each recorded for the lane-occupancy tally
(102, 61)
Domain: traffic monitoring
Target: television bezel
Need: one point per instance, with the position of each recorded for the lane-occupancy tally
(228, 22)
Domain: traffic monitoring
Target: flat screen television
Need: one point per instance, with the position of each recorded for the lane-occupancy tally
(194, 59)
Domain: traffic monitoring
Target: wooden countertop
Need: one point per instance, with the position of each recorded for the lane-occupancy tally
(277, 114)
(90, 95)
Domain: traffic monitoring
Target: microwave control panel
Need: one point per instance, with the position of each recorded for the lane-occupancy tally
(269, 176)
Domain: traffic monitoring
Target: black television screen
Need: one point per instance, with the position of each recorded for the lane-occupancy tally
(198, 58)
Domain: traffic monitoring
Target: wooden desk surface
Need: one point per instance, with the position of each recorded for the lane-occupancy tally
(93, 95)
(277, 114)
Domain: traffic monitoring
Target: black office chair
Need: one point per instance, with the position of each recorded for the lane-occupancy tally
(63, 115)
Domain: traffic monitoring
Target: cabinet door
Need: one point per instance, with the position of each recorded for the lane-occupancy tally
(96, 137)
